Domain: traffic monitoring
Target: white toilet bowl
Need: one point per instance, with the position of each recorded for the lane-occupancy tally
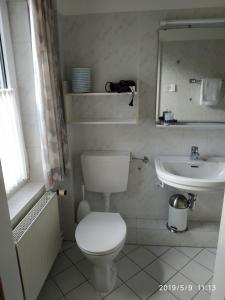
(101, 236)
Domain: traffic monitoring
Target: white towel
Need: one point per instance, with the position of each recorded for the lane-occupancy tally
(210, 91)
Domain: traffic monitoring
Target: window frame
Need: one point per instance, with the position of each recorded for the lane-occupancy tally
(7, 44)
(2, 66)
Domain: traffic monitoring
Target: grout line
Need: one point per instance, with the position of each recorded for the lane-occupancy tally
(58, 273)
(149, 298)
(169, 247)
(178, 271)
(75, 265)
(132, 250)
(200, 249)
(161, 253)
(196, 295)
(208, 283)
(114, 289)
(74, 288)
(124, 282)
(72, 264)
(132, 290)
(189, 260)
(204, 266)
(207, 249)
(58, 286)
(143, 268)
(67, 256)
(186, 276)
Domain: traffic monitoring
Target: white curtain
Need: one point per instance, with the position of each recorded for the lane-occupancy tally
(12, 148)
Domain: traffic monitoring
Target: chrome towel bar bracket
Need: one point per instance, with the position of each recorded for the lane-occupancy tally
(145, 159)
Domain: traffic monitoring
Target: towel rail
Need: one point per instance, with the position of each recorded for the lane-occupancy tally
(198, 81)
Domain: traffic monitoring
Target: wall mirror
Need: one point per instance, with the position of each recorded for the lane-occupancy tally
(191, 74)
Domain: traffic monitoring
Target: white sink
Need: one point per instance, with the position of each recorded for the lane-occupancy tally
(185, 174)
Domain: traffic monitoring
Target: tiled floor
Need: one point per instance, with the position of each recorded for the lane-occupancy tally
(141, 271)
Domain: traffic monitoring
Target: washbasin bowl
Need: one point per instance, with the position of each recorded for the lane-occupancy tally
(192, 176)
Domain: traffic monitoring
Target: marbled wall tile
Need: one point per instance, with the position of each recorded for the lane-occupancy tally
(121, 46)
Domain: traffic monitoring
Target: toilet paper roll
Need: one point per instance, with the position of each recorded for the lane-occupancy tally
(61, 192)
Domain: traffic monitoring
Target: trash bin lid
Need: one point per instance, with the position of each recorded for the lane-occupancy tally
(178, 201)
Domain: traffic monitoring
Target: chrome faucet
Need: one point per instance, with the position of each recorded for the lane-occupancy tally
(194, 153)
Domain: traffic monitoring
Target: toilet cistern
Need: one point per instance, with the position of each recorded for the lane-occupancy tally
(105, 172)
(194, 153)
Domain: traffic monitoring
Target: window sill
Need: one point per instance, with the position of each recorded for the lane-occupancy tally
(22, 201)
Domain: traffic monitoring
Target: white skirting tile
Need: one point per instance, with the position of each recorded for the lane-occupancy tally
(155, 232)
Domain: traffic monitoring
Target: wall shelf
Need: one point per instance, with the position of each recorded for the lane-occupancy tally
(102, 108)
(97, 94)
(102, 121)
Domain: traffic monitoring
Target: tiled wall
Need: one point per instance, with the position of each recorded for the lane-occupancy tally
(123, 46)
(19, 22)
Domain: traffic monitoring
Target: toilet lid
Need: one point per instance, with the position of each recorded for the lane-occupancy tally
(100, 232)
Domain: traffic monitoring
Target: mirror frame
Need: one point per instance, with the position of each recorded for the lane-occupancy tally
(182, 24)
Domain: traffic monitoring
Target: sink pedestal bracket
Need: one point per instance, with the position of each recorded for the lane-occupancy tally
(192, 200)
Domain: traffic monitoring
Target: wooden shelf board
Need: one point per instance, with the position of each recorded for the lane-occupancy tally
(98, 94)
(104, 121)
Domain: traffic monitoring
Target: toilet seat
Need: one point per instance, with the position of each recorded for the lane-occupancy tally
(100, 233)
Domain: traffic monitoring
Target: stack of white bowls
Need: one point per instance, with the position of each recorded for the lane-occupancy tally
(81, 80)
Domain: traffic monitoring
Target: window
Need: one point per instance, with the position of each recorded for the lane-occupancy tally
(12, 148)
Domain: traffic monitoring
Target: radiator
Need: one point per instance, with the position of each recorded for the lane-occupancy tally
(38, 241)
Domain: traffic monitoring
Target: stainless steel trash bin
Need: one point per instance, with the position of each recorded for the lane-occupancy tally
(178, 213)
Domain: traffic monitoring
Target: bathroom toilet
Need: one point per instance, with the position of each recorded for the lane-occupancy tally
(101, 235)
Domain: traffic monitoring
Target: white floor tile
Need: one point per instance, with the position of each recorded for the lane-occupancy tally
(122, 293)
(175, 258)
(50, 291)
(202, 296)
(157, 250)
(61, 263)
(142, 257)
(128, 248)
(160, 270)
(210, 282)
(83, 292)
(119, 256)
(143, 285)
(74, 254)
(189, 251)
(161, 295)
(69, 279)
(85, 267)
(179, 282)
(213, 250)
(196, 272)
(207, 259)
(140, 284)
(210, 285)
(67, 245)
(126, 268)
(118, 284)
